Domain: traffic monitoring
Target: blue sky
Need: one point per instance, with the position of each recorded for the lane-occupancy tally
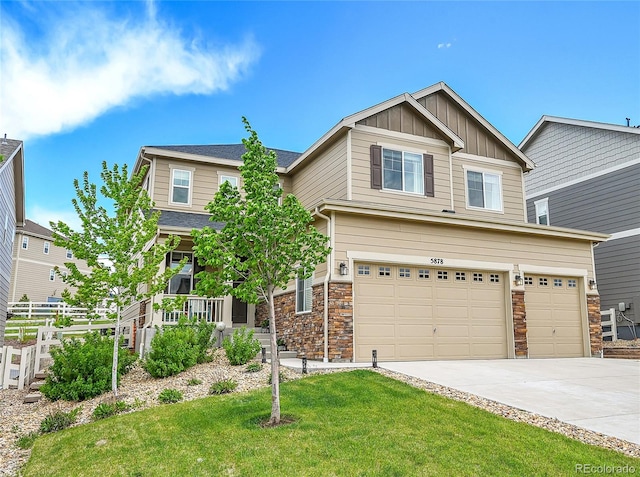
(83, 83)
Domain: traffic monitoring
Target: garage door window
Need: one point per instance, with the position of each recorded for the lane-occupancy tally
(423, 273)
(461, 277)
(528, 280)
(478, 277)
(384, 271)
(494, 278)
(557, 282)
(543, 282)
(404, 272)
(364, 270)
(443, 275)
(572, 283)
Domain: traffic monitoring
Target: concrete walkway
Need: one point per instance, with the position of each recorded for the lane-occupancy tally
(602, 395)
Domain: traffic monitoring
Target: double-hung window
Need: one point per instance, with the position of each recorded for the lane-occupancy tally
(45, 248)
(402, 171)
(304, 294)
(180, 186)
(25, 242)
(484, 190)
(542, 211)
(233, 180)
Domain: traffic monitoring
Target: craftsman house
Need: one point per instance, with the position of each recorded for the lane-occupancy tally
(422, 201)
(12, 213)
(587, 176)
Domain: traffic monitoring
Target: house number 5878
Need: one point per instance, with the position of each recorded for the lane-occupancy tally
(437, 261)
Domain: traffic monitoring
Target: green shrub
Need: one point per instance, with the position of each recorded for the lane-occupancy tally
(168, 396)
(59, 420)
(242, 348)
(81, 369)
(107, 409)
(179, 347)
(194, 382)
(223, 386)
(253, 367)
(26, 441)
(281, 378)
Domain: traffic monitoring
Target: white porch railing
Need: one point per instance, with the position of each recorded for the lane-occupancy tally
(18, 374)
(208, 309)
(610, 322)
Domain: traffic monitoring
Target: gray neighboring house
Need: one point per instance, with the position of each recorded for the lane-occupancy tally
(588, 177)
(12, 213)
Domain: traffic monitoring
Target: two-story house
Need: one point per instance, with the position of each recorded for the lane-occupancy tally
(588, 177)
(422, 201)
(35, 258)
(12, 213)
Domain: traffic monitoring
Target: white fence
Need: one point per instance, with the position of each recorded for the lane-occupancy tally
(208, 309)
(49, 336)
(27, 317)
(610, 322)
(18, 374)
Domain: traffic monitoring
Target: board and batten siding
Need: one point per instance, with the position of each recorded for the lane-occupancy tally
(512, 193)
(8, 213)
(361, 142)
(609, 203)
(477, 140)
(323, 178)
(390, 236)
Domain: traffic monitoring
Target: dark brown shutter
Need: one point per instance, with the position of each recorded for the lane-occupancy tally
(429, 188)
(376, 167)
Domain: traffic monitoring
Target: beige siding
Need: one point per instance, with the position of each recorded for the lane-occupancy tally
(512, 193)
(31, 268)
(477, 139)
(361, 174)
(325, 177)
(429, 240)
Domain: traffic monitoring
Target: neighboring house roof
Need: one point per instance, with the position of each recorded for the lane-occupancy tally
(232, 152)
(574, 122)
(186, 220)
(12, 152)
(32, 228)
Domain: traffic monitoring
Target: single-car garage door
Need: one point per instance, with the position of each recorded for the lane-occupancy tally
(554, 318)
(412, 313)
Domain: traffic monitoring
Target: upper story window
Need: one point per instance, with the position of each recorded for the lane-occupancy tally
(304, 294)
(484, 190)
(46, 248)
(403, 171)
(542, 211)
(52, 275)
(233, 180)
(180, 186)
(69, 254)
(25, 242)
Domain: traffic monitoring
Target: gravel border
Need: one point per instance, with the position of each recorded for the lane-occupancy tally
(138, 388)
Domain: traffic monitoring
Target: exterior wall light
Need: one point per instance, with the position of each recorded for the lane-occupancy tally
(519, 280)
(592, 284)
(343, 269)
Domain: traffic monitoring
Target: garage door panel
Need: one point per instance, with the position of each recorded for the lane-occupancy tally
(469, 317)
(554, 318)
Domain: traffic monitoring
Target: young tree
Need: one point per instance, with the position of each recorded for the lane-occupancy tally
(119, 248)
(263, 244)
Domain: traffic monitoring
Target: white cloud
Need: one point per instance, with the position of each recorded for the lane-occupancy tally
(43, 216)
(87, 61)
(444, 45)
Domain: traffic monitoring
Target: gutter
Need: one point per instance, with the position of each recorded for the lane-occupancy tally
(325, 284)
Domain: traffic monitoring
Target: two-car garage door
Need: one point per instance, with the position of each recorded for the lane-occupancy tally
(411, 313)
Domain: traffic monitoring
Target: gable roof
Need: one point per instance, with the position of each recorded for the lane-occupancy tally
(527, 163)
(226, 152)
(574, 122)
(32, 228)
(12, 150)
(349, 122)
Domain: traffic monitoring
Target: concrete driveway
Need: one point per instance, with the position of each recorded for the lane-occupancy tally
(602, 395)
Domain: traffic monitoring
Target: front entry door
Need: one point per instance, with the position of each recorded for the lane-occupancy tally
(238, 309)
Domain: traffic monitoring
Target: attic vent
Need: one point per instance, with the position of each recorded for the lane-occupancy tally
(4, 140)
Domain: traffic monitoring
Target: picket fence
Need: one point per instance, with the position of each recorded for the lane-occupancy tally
(18, 374)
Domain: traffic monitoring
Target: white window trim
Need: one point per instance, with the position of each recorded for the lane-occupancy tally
(173, 170)
(308, 285)
(69, 252)
(402, 150)
(466, 168)
(52, 275)
(25, 243)
(223, 175)
(538, 204)
(46, 247)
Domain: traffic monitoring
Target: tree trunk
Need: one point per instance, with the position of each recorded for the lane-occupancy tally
(114, 366)
(275, 363)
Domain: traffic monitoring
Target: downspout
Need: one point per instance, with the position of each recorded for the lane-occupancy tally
(327, 277)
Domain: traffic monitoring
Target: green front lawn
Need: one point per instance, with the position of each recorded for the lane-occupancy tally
(350, 423)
